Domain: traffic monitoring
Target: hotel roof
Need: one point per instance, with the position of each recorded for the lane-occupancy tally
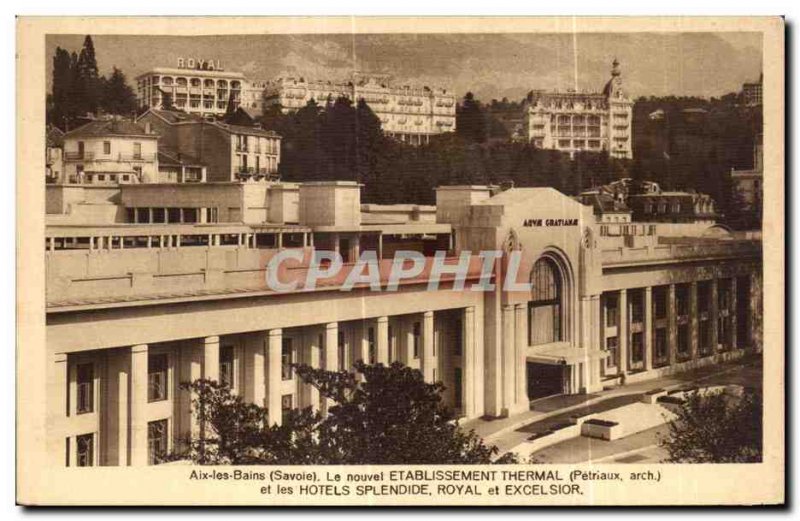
(110, 127)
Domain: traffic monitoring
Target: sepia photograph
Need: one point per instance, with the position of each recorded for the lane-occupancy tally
(405, 265)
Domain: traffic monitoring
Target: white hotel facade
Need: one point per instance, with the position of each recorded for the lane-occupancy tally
(410, 114)
(583, 121)
(138, 303)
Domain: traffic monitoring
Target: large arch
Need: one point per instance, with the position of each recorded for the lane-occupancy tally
(551, 320)
(566, 278)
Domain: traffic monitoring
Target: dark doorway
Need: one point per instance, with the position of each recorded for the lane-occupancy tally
(545, 380)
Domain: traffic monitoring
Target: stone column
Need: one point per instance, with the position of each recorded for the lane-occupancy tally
(468, 362)
(255, 384)
(649, 355)
(363, 342)
(508, 343)
(211, 358)
(314, 354)
(382, 340)
(714, 316)
(428, 356)
(191, 368)
(622, 331)
(331, 354)
(694, 329)
(755, 310)
(672, 326)
(139, 452)
(521, 356)
(274, 379)
(57, 392)
(117, 412)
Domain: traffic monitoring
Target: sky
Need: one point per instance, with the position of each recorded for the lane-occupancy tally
(489, 65)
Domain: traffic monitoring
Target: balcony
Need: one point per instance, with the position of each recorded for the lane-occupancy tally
(79, 156)
(136, 157)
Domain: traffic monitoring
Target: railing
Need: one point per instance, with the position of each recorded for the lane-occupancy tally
(198, 273)
(83, 156)
(137, 157)
(677, 252)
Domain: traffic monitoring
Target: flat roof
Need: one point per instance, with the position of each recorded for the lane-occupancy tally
(192, 72)
(134, 229)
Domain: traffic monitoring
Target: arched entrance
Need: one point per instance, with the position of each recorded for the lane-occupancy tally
(546, 327)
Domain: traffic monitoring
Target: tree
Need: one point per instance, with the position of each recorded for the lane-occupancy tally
(233, 432)
(230, 108)
(88, 79)
(470, 120)
(380, 415)
(118, 96)
(166, 101)
(62, 83)
(717, 428)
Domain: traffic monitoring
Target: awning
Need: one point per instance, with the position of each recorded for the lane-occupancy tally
(562, 353)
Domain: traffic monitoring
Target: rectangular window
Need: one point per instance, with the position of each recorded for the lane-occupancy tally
(67, 452)
(682, 299)
(226, 375)
(705, 336)
(157, 377)
(683, 339)
(703, 297)
(660, 302)
(106, 147)
(417, 338)
(137, 150)
(156, 441)
(458, 338)
(612, 346)
(637, 348)
(457, 388)
(612, 315)
(85, 384)
(637, 307)
(286, 406)
(286, 359)
(371, 345)
(84, 450)
(661, 343)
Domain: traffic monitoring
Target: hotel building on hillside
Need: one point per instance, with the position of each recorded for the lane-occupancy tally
(582, 121)
(750, 182)
(110, 151)
(196, 91)
(753, 92)
(168, 285)
(410, 114)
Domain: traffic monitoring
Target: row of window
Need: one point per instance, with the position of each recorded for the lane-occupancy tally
(724, 322)
(86, 451)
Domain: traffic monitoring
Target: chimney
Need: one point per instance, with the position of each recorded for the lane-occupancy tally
(147, 128)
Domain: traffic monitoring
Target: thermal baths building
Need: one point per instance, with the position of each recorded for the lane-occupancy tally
(171, 287)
